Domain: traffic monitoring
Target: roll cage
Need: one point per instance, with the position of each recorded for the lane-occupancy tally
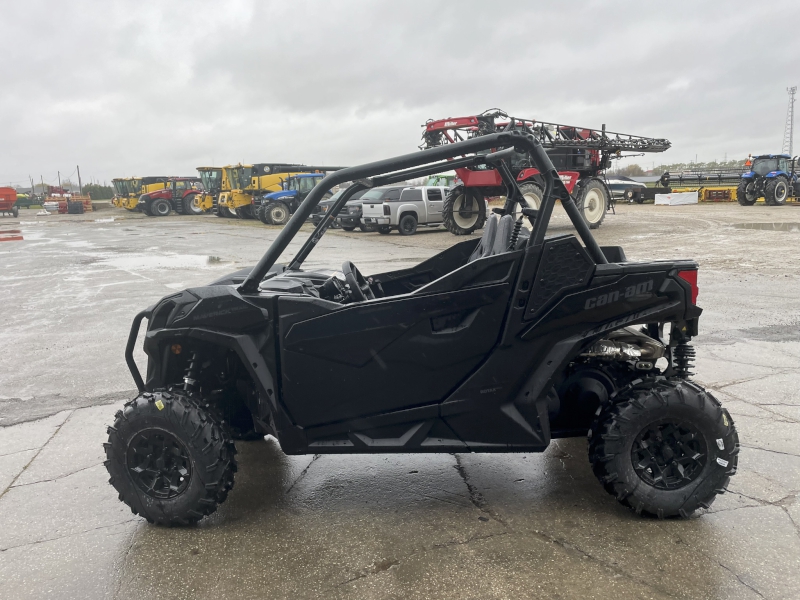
(501, 146)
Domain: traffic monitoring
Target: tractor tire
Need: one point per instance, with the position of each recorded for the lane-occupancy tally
(592, 202)
(384, 229)
(169, 459)
(231, 212)
(224, 212)
(245, 212)
(190, 206)
(407, 225)
(262, 215)
(15, 211)
(776, 192)
(746, 193)
(278, 213)
(664, 447)
(464, 210)
(160, 208)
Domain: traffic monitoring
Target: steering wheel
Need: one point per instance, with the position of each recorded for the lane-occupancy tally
(358, 286)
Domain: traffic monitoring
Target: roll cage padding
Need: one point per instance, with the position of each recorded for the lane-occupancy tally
(521, 141)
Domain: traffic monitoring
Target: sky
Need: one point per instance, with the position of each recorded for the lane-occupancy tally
(126, 88)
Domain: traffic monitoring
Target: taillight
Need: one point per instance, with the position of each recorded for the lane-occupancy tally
(691, 278)
(387, 210)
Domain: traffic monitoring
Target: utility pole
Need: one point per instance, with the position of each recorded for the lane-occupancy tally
(788, 132)
(80, 186)
(42, 180)
(59, 179)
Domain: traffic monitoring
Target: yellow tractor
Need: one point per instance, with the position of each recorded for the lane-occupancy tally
(249, 183)
(128, 190)
(214, 183)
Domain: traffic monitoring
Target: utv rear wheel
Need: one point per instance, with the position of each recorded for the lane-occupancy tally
(169, 459)
(776, 192)
(191, 205)
(746, 193)
(278, 213)
(464, 210)
(665, 447)
(160, 208)
(407, 225)
(592, 202)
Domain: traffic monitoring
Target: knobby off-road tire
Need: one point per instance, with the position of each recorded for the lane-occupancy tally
(592, 202)
(776, 192)
(664, 447)
(745, 193)
(463, 210)
(169, 459)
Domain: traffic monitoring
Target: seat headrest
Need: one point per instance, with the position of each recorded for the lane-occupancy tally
(502, 238)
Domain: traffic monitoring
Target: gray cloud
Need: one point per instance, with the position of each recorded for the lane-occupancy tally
(125, 88)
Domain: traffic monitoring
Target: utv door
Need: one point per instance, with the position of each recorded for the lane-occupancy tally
(388, 354)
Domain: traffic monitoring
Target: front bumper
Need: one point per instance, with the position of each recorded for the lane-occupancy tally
(348, 221)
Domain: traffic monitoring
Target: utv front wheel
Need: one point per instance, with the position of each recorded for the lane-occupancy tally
(665, 447)
(170, 461)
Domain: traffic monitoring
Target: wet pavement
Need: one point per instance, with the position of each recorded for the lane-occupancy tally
(388, 526)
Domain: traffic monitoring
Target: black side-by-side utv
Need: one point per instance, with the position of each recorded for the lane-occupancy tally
(497, 344)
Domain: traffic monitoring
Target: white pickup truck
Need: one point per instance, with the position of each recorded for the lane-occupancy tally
(421, 205)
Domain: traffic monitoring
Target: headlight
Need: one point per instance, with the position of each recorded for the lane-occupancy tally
(353, 210)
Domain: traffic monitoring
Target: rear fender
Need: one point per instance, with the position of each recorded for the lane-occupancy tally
(403, 209)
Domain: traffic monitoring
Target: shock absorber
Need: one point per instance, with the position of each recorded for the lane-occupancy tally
(515, 234)
(683, 358)
(189, 380)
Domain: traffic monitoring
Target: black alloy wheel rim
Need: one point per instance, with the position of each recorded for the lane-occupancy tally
(407, 226)
(159, 464)
(668, 455)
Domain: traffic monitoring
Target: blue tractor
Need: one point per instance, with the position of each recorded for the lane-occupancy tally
(772, 176)
(277, 207)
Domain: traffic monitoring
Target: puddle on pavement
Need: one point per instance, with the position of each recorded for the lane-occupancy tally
(143, 262)
(793, 227)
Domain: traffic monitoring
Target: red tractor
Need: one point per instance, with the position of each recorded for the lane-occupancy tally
(581, 156)
(181, 194)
